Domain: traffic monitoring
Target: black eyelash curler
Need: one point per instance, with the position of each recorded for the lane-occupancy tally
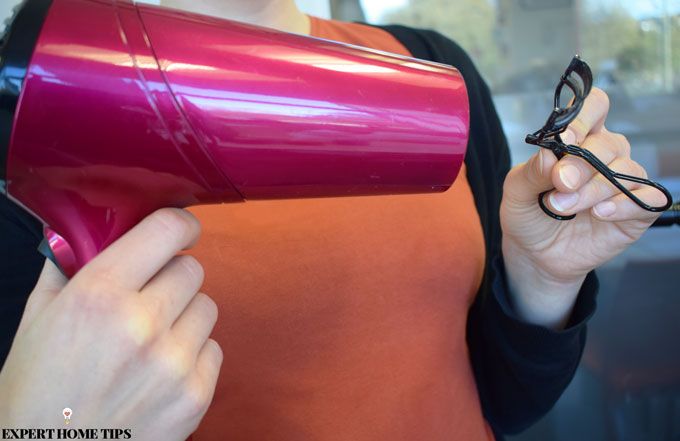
(579, 79)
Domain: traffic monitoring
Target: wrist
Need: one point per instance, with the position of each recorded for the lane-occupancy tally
(538, 297)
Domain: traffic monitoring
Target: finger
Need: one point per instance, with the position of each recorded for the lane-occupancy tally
(572, 172)
(49, 285)
(209, 362)
(622, 208)
(525, 181)
(194, 325)
(596, 190)
(203, 381)
(590, 119)
(139, 254)
(171, 290)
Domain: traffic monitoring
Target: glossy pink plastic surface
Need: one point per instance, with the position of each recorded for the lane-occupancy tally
(128, 108)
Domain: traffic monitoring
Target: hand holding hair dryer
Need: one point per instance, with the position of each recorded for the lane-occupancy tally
(111, 110)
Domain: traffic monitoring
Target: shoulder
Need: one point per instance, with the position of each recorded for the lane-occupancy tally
(356, 33)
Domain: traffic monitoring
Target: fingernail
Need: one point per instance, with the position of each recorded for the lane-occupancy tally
(605, 209)
(568, 137)
(563, 201)
(570, 176)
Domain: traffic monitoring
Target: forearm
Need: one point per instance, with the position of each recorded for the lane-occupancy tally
(522, 368)
(536, 297)
(526, 336)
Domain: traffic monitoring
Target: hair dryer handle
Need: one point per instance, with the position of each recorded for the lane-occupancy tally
(55, 248)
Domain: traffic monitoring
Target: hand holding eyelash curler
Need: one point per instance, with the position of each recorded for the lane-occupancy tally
(579, 79)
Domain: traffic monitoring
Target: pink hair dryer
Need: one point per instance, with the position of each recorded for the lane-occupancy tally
(111, 110)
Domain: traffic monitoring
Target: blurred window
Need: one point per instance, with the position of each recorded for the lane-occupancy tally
(628, 386)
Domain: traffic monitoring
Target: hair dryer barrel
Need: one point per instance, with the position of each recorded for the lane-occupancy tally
(285, 115)
(111, 111)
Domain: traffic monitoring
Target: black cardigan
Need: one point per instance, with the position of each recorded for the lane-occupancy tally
(520, 369)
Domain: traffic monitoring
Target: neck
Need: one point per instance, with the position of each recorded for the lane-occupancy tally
(283, 15)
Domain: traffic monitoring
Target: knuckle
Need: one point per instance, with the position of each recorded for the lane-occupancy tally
(600, 97)
(208, 307)
(526, 171)
(622, 142)
(580, 130)
(513, 174)
(156, 306)
(601, 190)
(98, 297)
(171, 221)
(175, 223)
(193, 267)
(216, 349)
(103, 281)
(638, 170)
(196, 399)
(115, 318)
(139, 329)
(537, 165)
(173, 364)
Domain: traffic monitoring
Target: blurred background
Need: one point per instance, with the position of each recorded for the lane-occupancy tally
(628, 385)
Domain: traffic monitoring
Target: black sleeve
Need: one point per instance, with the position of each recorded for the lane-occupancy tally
(20, 265)
(520, 369)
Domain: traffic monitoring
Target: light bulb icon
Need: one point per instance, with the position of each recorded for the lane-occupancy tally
(67, 415)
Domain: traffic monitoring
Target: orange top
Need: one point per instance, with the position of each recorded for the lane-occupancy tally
(344, 319)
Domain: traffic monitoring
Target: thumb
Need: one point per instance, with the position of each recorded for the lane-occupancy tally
(50, 283)
(526, 181)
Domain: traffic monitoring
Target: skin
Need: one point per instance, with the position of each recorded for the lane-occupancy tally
(547, 260)
(158, 371)
(283, 15)
(134, 320)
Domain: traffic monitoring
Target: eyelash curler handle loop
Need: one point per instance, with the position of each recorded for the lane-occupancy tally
(560, 149)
